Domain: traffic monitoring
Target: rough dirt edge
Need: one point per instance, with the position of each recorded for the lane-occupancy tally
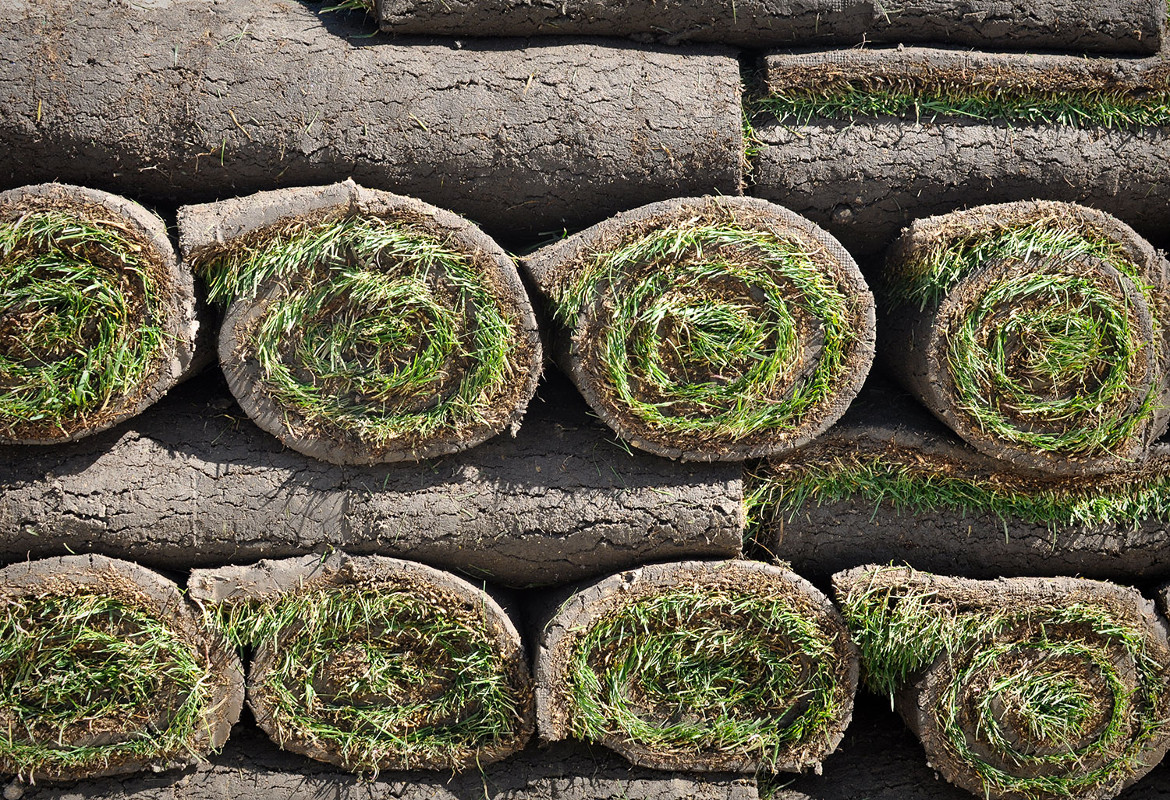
(923, 69)
(251, 767)
(141, 588)
(176, 360)
(207, 231)
(550, 265)
(863, 180)
(920, 697)
(1121, 26)
(194, 483)
(205, 100)
(271, 581)
(823, 537)
(916, 346)
(568, 615)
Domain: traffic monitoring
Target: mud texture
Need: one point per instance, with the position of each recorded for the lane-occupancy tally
(206, 231)
(177, 358)
(149, 592)
(580, 351)
(821, 537)
(1130, 26)
(205, 100)
(863, 180)
(446, 597)
(252, 767)
(558, 626)
(1123, 677)
(194, 483)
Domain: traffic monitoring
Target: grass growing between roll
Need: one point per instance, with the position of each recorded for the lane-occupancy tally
(88, 681)
(79, 321)
(382, 330)
(377, 676)
(691, 672)
(1050, 698)
(705, 328)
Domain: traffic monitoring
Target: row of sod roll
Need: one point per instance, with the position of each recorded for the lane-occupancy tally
(1017, 688)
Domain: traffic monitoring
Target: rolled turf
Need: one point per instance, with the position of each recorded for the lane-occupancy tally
(733, 665)
(105, 669)
(374, 663)
(202, 101)
(1036, 331)
(709, 328)
(97, 319)
(1023, 687)
(365, 327)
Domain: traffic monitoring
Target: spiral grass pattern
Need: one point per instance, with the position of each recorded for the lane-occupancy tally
(374, 338)
(710, 331)
(83, 306)
(1024, 688)
(1046, 348)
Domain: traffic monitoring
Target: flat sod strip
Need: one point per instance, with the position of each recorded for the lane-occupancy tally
(1022, 687)
(527, 141)
(1130, 26)
(697, 666)
(1034, 331)
(890, 483)
(374, 663)
(365, 327)
(106, 669)
(97, 320)
(709, 329)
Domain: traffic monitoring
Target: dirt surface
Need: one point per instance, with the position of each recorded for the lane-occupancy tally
(194, 483)
(1118, 25)
(205, 100)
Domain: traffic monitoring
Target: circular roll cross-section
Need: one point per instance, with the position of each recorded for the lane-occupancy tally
(1036, 331)
(733, 665)
(97, 320)
(374, 330)
(710, 329)
(106, 669)
(375, 664)
(1024, 687)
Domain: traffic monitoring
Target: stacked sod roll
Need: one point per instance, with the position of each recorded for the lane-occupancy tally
(733, 665)
(365, 327)
(97, 319)
(1036, 331)
(374, 663)
(1024, 687)
(709, 329)
(105, 669)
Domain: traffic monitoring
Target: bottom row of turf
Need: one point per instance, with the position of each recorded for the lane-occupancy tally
(1021, 687)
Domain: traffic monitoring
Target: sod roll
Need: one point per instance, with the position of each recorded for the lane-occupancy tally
(105, 669)
(201, 101)
(1022, 687)
(97, 319)
(732, 665)
(375, 663)
(890, 483)
(1131, 26)
(1036, 331)
(365, 327)
(710, 328)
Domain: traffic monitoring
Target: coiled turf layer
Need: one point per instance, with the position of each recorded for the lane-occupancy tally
(699, 666)
(96, 319)
(1021, 688)
(373, 663)
(1034, 330)
(710, 328)
(105, 669)
(375, 329)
